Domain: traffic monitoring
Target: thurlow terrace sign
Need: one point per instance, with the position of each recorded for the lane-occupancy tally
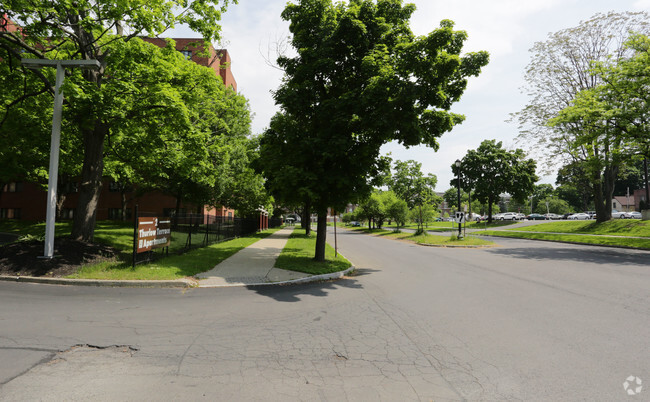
(153, 233)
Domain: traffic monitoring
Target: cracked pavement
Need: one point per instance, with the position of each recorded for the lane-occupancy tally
(555, 323)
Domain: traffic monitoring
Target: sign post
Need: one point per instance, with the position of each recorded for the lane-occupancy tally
(460, 219)
(53, 172)
(150, 233)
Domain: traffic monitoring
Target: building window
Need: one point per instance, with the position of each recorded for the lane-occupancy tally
(187, 54)
(67, 213)
(70, 187)
(9, 213)
(113, 186)
(13, 187)
(116, 213)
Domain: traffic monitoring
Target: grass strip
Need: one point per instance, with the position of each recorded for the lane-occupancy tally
(574, 238)
(298, 255)
(426, 239)
(615, 227)
(172, 267)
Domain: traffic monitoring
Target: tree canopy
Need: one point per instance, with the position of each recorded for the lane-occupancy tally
(87, 30)
(360, 79)
(567, 118)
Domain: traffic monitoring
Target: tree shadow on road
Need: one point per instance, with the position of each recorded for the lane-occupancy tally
(295, 292)
(592, 255)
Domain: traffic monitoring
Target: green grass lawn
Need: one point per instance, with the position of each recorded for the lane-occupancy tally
(575, 238)
(451, 226)
(174, 266)
(585, 232)
(615, 227)
(120, 236)
(298, 255)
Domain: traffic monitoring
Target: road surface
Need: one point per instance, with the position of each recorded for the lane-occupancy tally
(522, 321)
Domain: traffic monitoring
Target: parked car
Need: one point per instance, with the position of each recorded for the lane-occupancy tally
(634, 215)
(553, 216)
(592, 214)
(355, 223)
(566, 216)
(509, 216)
(618, 214)
(536, 217)
(579, 216)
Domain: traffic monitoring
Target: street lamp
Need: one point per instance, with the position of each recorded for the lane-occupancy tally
(60, 66)
(458, 173)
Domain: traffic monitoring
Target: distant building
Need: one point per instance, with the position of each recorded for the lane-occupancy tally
(193, 49)
(624, 203)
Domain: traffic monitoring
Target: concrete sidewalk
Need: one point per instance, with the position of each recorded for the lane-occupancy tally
(252, 265)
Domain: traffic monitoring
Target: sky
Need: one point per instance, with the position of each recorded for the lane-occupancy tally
(507, 29)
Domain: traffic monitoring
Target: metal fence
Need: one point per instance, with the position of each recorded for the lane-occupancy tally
(192, 231)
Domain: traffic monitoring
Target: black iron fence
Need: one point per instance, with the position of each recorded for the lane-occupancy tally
(192, 231)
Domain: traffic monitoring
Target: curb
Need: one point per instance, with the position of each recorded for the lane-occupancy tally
(181, 283)
(455, 246)
(308, 279)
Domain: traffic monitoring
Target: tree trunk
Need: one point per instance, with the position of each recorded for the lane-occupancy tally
(60, 199)
(647, 189)
(490, 201)
(91, 183)
(306, 217)
(321, 236)
(123, 194)
(603, 192)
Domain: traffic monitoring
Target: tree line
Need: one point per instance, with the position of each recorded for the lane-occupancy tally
(588, 107)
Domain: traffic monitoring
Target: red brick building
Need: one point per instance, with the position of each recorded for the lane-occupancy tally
(28, 201)
(193, 49)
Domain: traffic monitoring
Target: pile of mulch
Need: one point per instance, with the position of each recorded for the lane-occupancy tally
(21, 258)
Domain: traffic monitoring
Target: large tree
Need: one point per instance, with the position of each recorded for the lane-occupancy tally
(84, 30)
(360, 78)
(492, 170)
(560, 68)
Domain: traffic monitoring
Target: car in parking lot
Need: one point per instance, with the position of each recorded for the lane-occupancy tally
(509, 216)
(634, 215)
(536, 217)
(579, 216)
(618, 214)
(553, 216)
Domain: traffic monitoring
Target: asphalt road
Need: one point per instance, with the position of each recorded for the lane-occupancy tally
(522, 321)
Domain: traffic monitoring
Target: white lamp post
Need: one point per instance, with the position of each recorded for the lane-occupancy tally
(60, 66)
(458, 164)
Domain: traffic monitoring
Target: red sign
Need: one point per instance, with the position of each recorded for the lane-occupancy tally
(153, 233)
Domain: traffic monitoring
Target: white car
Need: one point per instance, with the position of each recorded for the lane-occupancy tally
(618, 214)
(634, 215)
(579, 216)
(509, 216)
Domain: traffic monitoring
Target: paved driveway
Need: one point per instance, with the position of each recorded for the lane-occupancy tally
(526, 320)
